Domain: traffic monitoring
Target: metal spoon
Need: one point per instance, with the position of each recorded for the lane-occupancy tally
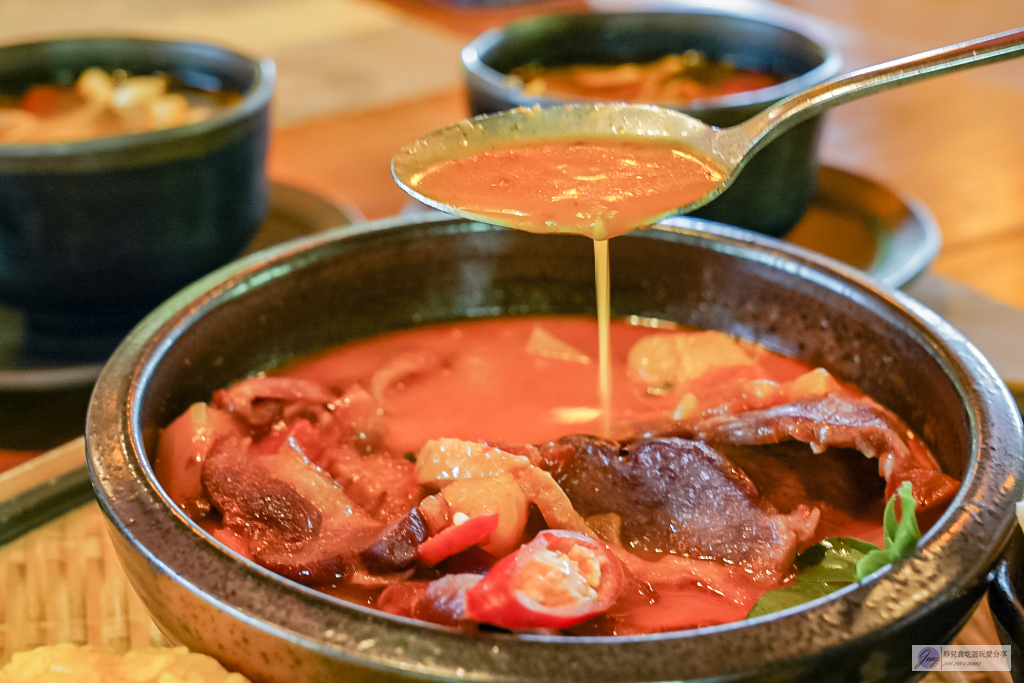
(728, 148)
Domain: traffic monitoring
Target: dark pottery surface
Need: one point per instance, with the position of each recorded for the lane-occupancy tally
(1004, 599)
(1007, 589)
(95, 233)
(42, 405)
(329, 288)
(776, 186)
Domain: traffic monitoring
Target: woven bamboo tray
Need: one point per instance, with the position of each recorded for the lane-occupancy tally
(60, 580)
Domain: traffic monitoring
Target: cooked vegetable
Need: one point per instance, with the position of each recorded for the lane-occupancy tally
(900, 537)
(501, 495)
(558, 579)
(458, 537)
(820, 570)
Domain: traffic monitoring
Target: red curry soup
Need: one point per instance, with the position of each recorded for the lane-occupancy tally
(601, 187)
(674, 79)
(450, 474)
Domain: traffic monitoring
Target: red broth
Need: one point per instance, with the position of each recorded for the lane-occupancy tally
(599, 187)
(516, 384)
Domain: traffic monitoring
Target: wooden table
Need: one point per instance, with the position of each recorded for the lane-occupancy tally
(957, 143)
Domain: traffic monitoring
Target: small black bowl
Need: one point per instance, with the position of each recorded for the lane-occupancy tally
(95, 233)
(776, 186)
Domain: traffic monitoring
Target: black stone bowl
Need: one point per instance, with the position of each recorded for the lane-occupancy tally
(775, 188)
(1006, 600)
(1006, 594)
(330, 288)
(95, 233)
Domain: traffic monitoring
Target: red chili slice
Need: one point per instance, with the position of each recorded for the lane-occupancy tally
(531, 589)
(456, 538)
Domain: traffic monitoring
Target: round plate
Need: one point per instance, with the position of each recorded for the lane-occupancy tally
(43, 405)
(860, 222)
(864, 224)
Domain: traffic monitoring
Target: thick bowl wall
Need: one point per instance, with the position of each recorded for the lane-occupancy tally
(385, 276)
(776, 186)
(95, 233)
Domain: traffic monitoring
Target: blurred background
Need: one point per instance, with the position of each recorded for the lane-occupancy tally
(356, 79)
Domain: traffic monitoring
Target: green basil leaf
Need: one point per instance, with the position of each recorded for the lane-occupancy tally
(872, 562)
(901, 536)
(907, 533)
(821, 569)
(837, 562)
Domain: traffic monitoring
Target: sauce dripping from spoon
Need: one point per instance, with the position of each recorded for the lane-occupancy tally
(600, 187)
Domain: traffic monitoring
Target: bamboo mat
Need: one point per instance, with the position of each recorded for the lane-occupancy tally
(62, 582)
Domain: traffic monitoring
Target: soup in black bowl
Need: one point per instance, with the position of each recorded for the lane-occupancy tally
(382, 278)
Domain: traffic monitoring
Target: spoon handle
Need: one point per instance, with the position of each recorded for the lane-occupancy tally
(768, 124)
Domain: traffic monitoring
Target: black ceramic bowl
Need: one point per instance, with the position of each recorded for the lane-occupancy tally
(1006, 594)
(1006, 600)
(95, 233)
(333, 287)
(775, 188)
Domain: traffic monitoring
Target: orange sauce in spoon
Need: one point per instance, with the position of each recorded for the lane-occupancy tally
(598, 187)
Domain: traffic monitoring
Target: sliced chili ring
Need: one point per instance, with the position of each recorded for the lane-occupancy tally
(558, 579)
(458, 537)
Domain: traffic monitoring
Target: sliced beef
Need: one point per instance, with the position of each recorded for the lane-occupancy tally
(259, 401)
(297, 521)
(841, 483)
(238, 486)
(382, 484)
(325, 558)
(681, 496)
(834, 421)
(311, 415)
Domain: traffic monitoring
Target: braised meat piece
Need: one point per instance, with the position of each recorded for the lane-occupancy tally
(679, 496)
(297, 520)
(834, 421)
(248, 499)
(260, 400)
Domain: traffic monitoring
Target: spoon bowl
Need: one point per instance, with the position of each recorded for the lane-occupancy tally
(726, 149)
(527, 124)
